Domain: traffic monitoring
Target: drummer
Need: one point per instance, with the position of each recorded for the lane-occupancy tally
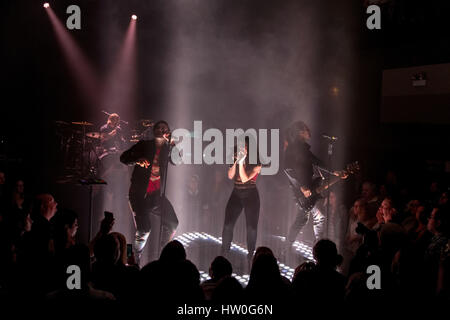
(111, 133)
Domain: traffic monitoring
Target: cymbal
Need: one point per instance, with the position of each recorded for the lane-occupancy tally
(94, 135)
(61, 123)
(82, 123)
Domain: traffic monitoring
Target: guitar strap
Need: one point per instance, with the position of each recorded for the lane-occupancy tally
(320, 170)
(289, 172)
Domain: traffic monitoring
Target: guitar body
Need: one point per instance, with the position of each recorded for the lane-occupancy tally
(308, 203)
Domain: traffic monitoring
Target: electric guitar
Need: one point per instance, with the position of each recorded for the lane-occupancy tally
(307, 203)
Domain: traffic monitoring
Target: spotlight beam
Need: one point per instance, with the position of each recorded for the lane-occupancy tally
(119, 90)
(84, 74)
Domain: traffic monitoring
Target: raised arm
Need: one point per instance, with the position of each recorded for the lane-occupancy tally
(232, 171)
(246, 177)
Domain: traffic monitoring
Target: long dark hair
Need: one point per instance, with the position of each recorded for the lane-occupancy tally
(294, 129)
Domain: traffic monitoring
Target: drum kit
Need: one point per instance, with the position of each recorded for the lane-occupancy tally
(82, 149)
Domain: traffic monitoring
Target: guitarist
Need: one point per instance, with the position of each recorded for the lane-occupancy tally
(300, 160)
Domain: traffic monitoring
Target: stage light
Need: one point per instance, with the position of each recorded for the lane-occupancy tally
(46, 5)
(335, 91)
(134, 17)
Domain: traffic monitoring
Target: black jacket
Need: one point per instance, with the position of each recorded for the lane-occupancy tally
(299, 157)
(140, 177)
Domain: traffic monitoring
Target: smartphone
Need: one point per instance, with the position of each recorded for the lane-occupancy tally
(129, 250)
(109, 215)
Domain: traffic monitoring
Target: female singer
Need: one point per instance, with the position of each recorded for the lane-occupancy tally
(244, 196)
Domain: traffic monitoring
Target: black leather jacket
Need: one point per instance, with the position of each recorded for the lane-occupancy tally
(300, 158)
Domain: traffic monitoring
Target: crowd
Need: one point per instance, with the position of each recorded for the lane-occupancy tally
(406, 237)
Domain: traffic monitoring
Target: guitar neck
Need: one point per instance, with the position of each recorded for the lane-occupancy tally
(325, 186)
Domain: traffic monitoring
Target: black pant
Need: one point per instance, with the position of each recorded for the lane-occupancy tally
(247, 199)
(302, 219)
(152, 204)
(143, 208)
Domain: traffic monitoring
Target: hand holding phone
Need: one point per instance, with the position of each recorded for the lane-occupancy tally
(129, 250)
(131, 259)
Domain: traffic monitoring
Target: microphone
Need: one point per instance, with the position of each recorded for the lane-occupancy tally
(332, 138)
(108, 114)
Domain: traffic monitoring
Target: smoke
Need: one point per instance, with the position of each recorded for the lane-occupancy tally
(241, 65)
(238, 64)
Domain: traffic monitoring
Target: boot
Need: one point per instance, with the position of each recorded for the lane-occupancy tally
(140, 239)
